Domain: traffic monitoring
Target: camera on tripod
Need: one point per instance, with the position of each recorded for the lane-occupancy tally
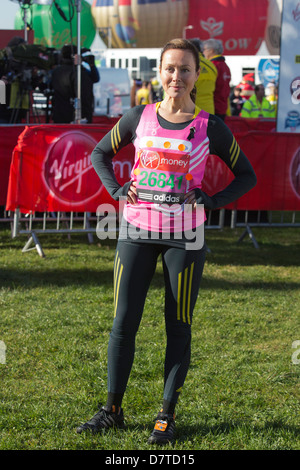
(26, 67)
(17, 58)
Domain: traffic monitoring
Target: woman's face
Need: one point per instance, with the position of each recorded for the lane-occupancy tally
(178, 73)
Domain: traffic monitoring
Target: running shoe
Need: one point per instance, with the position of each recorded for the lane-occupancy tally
(164, 429)
(105, 418)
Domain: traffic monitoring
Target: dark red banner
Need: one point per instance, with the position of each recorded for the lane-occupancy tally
(7, 35)
(276, 161)
(8, 139)
(51, 170)
(238, 24)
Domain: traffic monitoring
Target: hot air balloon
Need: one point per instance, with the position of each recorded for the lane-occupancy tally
(239, 24)
(52, 30)
(140, 23)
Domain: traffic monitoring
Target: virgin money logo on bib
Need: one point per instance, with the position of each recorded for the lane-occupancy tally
(68, 171)
(164, 161)
(149, 159)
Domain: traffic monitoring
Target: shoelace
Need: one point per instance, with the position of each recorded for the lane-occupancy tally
(105, 418)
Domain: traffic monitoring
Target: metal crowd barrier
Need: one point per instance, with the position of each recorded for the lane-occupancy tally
(252, 219)
(69, 223)
(52, 223)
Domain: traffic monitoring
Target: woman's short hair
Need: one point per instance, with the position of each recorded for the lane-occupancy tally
(184, 45)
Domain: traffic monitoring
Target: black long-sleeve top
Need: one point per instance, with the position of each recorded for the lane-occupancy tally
(221, 143)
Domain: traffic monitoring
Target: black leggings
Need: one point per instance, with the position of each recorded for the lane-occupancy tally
(135, 264)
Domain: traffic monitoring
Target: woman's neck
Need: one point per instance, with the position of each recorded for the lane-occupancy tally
(175, 111)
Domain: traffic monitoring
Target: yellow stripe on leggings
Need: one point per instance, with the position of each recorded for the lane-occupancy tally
(184, 294)
(117, 280)
(178, 296)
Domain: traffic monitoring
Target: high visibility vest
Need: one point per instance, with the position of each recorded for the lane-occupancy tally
(19, 97)
(252, 108)
(143, 95)
(205, 85)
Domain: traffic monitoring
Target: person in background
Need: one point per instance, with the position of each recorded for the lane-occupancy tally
(17, 86)
(151, 91)
(236, 102)
(136, 85)
(258, 105)
(247, 86)
(155, 90)
(271, 92)
(63, 84)
(144, 94)
(206, 83)
(164, 202)
(213, 50)
(89, 76)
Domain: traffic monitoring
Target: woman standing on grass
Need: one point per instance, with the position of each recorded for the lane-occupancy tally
(164, 209)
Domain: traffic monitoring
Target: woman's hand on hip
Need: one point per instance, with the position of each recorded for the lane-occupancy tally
(132, 193)
(190, 199)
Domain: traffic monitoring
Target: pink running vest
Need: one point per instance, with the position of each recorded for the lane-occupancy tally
(168, 164)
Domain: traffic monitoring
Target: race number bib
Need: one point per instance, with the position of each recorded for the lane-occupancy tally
(162, 176)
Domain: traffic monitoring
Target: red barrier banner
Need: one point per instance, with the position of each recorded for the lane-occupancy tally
(276, 161)
(51, 170)
(8, 139)
(240, 124)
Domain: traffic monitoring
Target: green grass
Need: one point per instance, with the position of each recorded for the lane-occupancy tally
(242, 389)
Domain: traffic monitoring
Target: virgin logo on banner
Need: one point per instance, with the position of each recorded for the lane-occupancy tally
(68, 170)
